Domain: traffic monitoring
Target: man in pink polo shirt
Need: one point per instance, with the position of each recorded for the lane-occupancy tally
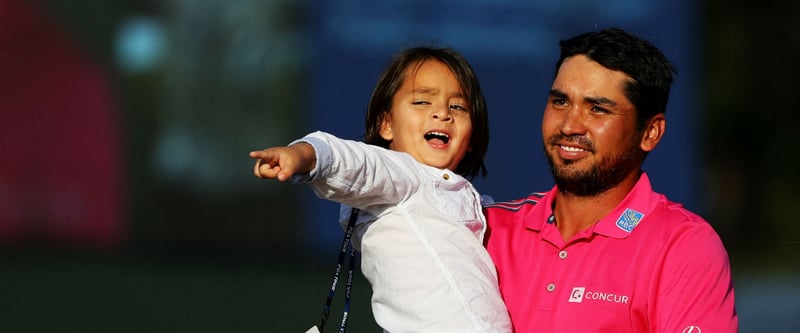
(601, 251)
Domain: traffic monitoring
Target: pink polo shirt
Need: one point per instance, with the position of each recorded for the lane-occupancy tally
(648, 266)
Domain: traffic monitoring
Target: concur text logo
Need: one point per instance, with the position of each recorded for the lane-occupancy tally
(579, 294)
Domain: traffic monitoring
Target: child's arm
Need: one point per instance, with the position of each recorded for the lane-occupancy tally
(283, 162)
(345, 171)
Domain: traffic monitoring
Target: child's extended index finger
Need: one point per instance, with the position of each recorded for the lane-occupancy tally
(266, 154)
(257, 154)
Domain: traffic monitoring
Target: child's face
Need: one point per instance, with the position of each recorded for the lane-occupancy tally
(430, 117)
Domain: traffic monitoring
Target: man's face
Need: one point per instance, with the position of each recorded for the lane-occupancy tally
(589, 128)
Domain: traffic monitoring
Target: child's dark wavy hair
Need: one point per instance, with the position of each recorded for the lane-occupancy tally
(409, 61)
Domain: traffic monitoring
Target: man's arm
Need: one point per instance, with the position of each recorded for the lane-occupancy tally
(695, 291)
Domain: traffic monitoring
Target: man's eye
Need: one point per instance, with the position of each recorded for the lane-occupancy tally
(598, 109)
(559, 101)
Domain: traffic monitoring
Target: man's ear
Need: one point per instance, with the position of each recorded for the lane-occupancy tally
(653, 132)
(386, 127)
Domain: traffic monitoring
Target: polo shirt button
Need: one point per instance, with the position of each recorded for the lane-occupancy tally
(446, 176)
(562, 254)
(551, 287)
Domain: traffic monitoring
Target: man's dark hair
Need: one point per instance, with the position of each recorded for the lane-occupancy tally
(618, 50)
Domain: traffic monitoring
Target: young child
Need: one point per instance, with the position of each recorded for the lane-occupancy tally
(421, 226)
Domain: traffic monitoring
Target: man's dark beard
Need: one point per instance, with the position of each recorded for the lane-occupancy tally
(599, 178)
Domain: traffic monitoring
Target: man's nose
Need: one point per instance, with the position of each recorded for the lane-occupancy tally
(573, 122)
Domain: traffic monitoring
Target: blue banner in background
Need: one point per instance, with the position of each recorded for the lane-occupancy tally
(513, 46)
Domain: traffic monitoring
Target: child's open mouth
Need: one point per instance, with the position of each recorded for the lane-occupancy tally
(434, 135)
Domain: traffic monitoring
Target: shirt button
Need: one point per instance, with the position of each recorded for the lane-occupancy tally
(562, 254)
(551, 287)
(446, 176)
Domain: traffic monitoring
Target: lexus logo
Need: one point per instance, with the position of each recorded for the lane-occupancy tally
(692, 329)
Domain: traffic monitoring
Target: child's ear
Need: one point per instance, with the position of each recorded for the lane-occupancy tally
(386, 127)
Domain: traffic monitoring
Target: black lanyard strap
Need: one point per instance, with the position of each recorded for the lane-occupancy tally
(346, 245)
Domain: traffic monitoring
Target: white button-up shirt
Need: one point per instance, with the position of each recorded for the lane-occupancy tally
(420, 234)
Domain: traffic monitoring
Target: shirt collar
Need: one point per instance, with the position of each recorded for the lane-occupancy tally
(619, 223)
(541, 212)
(630, 212)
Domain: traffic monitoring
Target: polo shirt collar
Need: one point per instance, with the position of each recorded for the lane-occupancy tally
(619, 223)
(541, 212)
(630, 212)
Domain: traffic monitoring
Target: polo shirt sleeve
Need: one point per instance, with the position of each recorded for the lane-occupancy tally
(694, 292)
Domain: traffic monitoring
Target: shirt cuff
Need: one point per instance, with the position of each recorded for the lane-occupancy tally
(323, 156)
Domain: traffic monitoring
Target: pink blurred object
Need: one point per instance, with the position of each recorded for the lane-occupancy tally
(60, 160)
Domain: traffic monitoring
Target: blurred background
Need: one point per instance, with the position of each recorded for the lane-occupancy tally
(127, 202)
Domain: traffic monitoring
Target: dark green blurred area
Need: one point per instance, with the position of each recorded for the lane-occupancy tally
(90, 294)
(229, 259)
